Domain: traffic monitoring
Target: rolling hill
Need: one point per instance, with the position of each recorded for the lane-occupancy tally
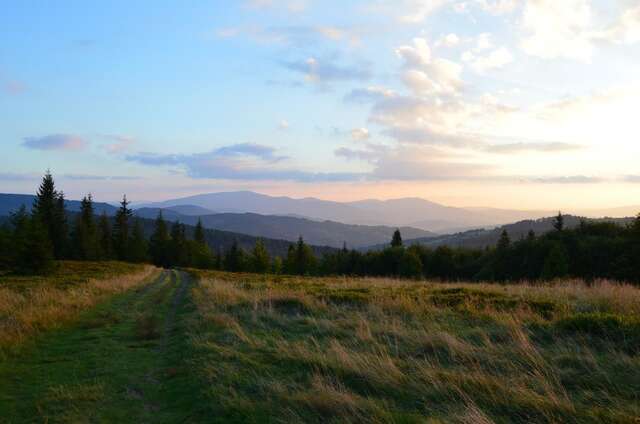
(322, 233)
(483, 238)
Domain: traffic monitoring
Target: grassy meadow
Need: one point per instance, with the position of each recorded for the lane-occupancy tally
(125, 343)
(31, 304)
(302, 350)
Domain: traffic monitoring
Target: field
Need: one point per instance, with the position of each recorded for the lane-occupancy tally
(305, 350)
(193, 346)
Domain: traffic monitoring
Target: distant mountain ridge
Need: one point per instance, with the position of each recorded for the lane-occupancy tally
(322, 233)
(410, 212)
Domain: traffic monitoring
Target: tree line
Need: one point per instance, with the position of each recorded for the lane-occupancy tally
(32, 241)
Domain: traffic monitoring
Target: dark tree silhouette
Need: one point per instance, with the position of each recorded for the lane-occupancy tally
(558, 224)
(122, 230)
(396, 240)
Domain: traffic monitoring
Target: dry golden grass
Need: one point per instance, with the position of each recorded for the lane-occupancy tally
(49, 302)
(380, 350)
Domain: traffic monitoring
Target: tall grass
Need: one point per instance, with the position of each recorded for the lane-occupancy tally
(31, 305)
(379, 350)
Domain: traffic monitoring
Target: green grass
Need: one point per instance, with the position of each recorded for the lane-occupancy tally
(114, 364)
(216, 347)
(341, 350)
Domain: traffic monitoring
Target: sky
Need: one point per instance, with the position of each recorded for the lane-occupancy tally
(524, 104)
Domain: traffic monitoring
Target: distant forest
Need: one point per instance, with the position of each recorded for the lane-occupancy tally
(30, 242)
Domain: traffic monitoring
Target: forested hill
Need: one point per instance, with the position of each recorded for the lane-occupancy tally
(218, 241)
(10, 203)
(322, 233)
(516, 231)
(221, 241)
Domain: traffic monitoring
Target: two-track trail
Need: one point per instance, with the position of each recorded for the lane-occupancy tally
(123, 361)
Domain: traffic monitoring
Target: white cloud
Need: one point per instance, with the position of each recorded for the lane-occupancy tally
(424, 74)
(495, 60)
(360, 134)
(283, 125)
(449, 40)
(558, 29)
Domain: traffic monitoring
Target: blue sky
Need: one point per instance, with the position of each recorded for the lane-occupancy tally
(510, 103)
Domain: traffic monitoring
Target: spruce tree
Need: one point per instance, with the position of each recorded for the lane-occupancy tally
(105, 238)
(159, 243)
(178, 252)
(504, 242)
(49, 210)
(556, 264)
(138, 244)
(558, 223)
(234, 258)
(305, 261)
(199, 234)
(396, 241)
(260, 260)
(122, 230)
(85, 234)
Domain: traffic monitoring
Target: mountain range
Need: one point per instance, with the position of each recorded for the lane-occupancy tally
(321, 233)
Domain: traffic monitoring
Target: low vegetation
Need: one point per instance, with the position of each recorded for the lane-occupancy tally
(381, 350)
(29, 305)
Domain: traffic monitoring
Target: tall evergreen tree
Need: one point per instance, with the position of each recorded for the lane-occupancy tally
(556, 264)
(105, 238)
(86, 245)
(122, 230)
(49, 210)
(558, 223)
(305, 260)
(396, 240)
(260, 260)
(178, 250)
(138, 249)
(234, 258)
(159, 243)
(199, 234)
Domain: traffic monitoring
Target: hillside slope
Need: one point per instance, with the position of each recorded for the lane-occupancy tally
(322, 233)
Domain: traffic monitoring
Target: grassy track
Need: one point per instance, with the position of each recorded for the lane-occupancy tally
(119, 362)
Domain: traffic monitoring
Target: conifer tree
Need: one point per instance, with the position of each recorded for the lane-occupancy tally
(396, 241)
(558, 223)
(85, 235)
(5, 247)
(234, 258)
(159, 243)
(556, 264)
(122, 230)
(178, 252)
(49, 210)
(138, 244)
(260, 260)
(199, 234)
(504, 242)
(105, 238)
(305, 261)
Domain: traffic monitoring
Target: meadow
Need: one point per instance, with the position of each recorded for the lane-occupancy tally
(32, 304)
(276, 349)
(113, 342)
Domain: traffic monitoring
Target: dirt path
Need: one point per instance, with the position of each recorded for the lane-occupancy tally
(123, 361)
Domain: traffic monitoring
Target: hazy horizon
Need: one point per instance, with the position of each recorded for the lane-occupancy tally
(512, 104)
